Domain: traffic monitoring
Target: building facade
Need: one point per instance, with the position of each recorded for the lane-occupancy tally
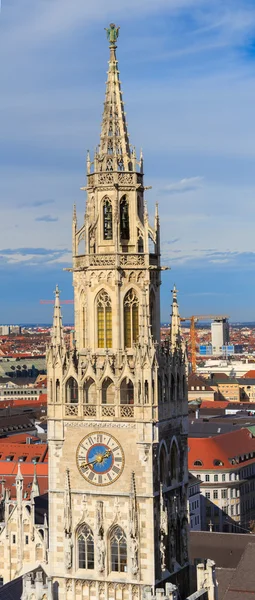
(225, 465)
(220, 335)
(117, 401)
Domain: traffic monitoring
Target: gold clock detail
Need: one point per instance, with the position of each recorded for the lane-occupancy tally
(100, 458)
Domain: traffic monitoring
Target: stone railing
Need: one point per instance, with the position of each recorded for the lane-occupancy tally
(71, 410)
(133, 260)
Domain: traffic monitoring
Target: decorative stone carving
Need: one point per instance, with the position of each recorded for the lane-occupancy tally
(163, 530)
(125, 178)
(133, 527)
(184, 537)
(144, 450)
(100, 536)
(105, 178)
(101, 424)
(68, 522)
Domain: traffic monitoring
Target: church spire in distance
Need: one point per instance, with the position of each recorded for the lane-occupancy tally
(114, 152)
(175, 320)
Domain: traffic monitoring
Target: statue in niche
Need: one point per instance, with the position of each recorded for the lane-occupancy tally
(68, 552)
(101, 550)
(133, 554)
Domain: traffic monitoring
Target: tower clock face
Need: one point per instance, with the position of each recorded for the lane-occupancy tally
(100, 458)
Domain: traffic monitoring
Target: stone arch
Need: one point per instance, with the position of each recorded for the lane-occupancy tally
(71, 388)
(163, 464)
(57, 390)
(174, 461)
(132, 277)
(89, 391)
(160, 390)
(108, 391)
(126, 391)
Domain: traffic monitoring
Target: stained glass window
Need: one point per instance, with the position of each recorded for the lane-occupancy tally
(104, 320)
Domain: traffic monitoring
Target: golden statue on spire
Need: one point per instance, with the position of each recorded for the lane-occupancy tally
(112, 33)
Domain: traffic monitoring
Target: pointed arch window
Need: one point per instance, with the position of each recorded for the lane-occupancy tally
(89, 391)
(118, 547)
(131, 319)
(124, 219)
(107, 219)
(71, 391)
(86, 558)
(104, 320)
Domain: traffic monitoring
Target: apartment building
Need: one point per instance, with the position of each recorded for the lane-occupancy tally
(225, 465)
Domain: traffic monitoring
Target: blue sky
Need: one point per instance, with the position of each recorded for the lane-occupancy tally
(188, 76)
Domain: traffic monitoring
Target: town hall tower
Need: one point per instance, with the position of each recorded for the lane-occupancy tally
(117, 400)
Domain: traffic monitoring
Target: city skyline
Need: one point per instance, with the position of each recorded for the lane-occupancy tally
(189, 76)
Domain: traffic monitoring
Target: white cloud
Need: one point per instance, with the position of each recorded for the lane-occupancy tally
(184, 185)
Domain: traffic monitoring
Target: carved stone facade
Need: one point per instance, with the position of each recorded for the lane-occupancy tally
(23, 540)
(117, 401)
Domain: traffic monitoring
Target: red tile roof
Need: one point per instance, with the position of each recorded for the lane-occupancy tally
(222, 448)
(30, 451)
(249, 375)
(19, 438)
(214, 404)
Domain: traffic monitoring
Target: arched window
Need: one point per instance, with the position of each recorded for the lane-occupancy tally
(163, 466)
(174, 467)
(146, 392)
(57, 390)
(107, 219)
(124, 219)
(118, 547)
(152, 314)
(172, 389)
(89, 391)
(131, 319)
(178, 388)
(85, 548)
(72, 391)
(108, 391)
(126, 392)
(198, 463)
(159, 390)
(140, 246)
(166, 389)
(104, 320)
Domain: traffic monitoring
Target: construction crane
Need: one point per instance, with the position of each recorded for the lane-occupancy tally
(193, 320)
(53, 301)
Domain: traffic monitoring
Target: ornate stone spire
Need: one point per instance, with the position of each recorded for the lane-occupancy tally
(114, 151)
(175, 320)
(35, 490)
(57, 335)
(19, 481)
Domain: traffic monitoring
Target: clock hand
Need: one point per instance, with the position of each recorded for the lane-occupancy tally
(100, 459)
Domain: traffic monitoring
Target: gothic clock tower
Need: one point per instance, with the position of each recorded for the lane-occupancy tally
(117, 401)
